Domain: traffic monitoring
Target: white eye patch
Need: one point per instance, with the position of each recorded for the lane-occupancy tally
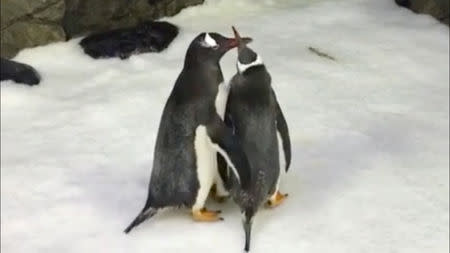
(209, 41)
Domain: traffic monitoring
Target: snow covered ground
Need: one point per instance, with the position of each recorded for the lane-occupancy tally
(370, 136)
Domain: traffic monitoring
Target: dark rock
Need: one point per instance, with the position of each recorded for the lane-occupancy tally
(436, 8)
(18, 72)
(29, 23)
(146, 37)
(85, 16)
(26, 23)
(153, 2)
(404, 3)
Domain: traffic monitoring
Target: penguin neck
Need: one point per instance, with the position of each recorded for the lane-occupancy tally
(194, 60)
(207, 67)
(255, 80)
(244, 67)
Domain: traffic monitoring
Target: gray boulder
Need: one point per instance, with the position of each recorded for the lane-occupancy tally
(29, 23)
(26, 23)
(436, 8)
(84, 16)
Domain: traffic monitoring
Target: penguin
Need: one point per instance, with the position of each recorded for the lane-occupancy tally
(256, 118)
(191, 133)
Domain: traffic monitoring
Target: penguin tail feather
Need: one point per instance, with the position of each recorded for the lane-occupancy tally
(247, 222)
(143, 215)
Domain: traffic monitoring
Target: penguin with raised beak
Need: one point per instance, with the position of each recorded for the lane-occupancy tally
(191, 133)
(257, 120)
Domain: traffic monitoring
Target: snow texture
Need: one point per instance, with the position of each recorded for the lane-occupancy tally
(370, 136)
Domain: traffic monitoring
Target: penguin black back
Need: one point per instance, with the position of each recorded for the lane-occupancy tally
(255, 116)
(251, 111)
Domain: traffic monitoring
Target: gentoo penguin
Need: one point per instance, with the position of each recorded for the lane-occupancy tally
(191, 133)
(256, 118)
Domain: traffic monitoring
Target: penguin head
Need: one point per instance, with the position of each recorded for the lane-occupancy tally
(210, 47)
(247, 58)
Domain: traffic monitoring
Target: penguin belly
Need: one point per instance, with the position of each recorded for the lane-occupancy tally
(282, 162)
(206, 165)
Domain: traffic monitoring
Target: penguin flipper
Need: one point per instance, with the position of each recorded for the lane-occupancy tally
(283, 130)
(247, 222)
(229, 146)
(222, 165)
(223, 169)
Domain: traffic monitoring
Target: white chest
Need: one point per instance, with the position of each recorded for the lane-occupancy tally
(221, 99)
(281, 155)
(206, 164)
(204, 151)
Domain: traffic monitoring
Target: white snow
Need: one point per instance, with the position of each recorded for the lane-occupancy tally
(370, 136)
